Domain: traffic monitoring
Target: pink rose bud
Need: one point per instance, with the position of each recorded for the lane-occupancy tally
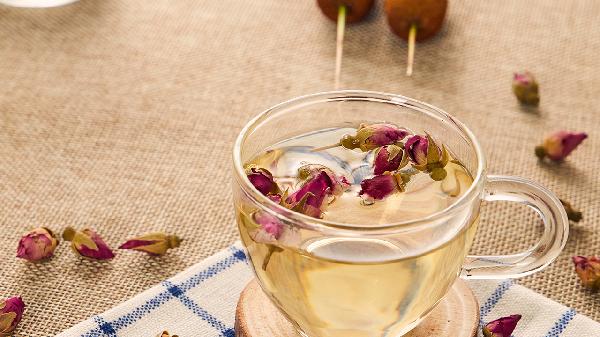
(559, 145)
(88, 243)
(155, 244)
(320, 184)
(262, 180)
(526, 88)
(427, 156)
(11, 313)
(378, 187)
(371, 136)
(588, 270)
(38, 244)
(270, 228)
(389, 158)
(502, 327)
(416, 147)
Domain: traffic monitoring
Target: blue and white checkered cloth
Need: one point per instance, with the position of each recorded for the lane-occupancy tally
(201, 302)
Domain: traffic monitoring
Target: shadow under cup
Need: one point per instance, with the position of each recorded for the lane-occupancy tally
(336, 279)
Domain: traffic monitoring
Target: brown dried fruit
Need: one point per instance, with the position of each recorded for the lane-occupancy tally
(356, 10)
(427, 15)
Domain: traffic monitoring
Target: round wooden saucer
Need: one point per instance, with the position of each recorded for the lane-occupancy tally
(457, 315)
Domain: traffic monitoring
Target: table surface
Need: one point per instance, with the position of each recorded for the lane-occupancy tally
(121, 114)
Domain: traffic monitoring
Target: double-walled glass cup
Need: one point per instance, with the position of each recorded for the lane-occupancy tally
(391, 275)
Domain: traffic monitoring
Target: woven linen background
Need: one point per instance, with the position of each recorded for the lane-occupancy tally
(121, 115)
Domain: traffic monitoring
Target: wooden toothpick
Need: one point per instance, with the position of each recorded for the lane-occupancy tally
(412, 37)
(341, 27)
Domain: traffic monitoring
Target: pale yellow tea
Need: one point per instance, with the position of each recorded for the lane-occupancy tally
(344, 286)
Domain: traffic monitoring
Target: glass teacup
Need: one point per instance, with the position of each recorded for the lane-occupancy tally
(334, 279)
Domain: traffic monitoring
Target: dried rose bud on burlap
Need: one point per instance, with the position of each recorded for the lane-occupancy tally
(389, 158)
(152, 243)
(166, 334)
(559, 145)
(371, 136)
(573, 214)
(263, 181)
(88, 243)
(526, 88)
(320, 184)
(38, 244)
(588, 270)
(11, 313)
(427, 156)
(502, 327)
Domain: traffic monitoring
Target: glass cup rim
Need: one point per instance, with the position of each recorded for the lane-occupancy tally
(357, 95)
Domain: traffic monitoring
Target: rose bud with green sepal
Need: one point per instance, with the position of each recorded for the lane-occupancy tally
(155, 244)
(427, 156)
(378, 187)
(371, 136)
(389, 158)
(263, 181)
(526, 88)
(38, 244)
(502, 327)
(88, 243)
(559, 145)
(319, 186)
(11, 313)
(588, 270)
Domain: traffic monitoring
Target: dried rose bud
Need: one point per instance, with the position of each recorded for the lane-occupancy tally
(263, 181)
(11, 313)
(339, 183)
(270, 227)
(588, 270)
(389, 158)
(166, 334)
(573, 214)
(502, 327)
(38, 244)
(526, 88)
(427, 156)
(559, 145)
(378, 187)
(371, 136)
(88, 243)
(319, 186)
(274, 233)
(152, 243)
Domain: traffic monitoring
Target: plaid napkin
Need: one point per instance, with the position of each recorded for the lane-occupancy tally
(201, 302)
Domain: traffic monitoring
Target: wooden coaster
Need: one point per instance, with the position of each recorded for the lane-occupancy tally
(457, 315)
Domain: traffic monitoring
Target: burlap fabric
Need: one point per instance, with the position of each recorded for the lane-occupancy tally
(121, 114)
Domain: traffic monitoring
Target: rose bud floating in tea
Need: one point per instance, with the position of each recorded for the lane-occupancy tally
(11, 313)
(415, 21)
(38, 244)
(342, 11)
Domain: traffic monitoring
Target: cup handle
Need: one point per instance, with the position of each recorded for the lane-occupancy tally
(546, 250)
